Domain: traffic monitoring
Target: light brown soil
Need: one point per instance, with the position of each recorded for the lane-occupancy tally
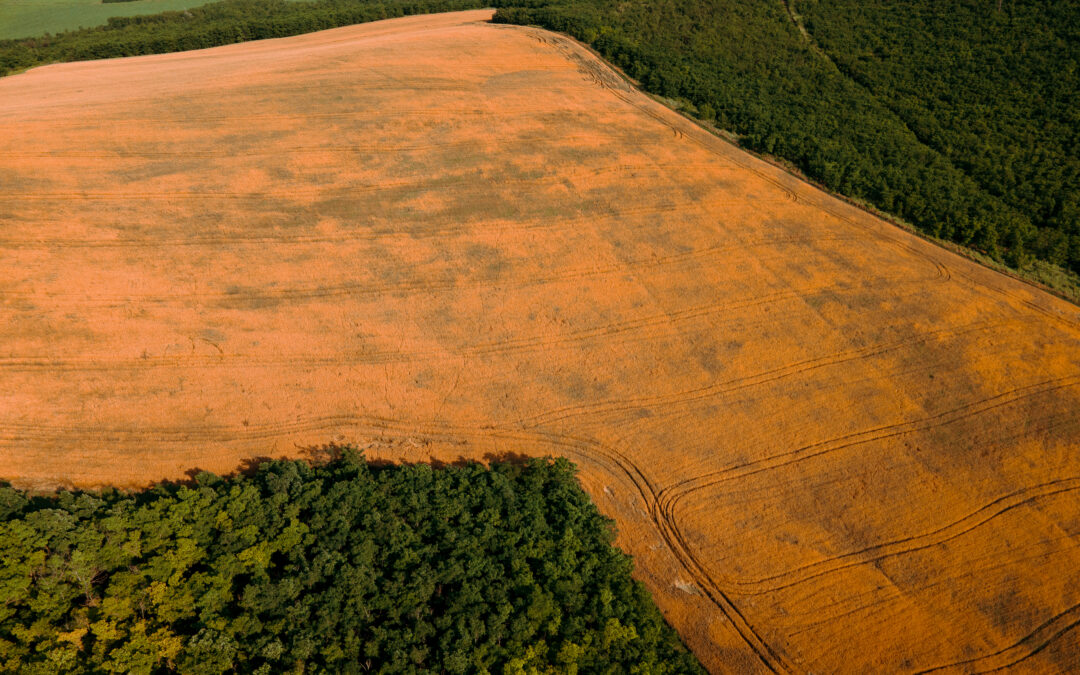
(829, 445)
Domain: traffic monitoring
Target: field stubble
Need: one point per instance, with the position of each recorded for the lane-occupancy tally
(830, 445)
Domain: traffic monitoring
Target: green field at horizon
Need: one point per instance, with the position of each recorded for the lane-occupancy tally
(32, 18)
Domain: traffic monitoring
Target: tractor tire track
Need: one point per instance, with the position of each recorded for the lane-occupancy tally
(646, 326)
(202, 121)
(467, 228)
(665, 518)
(588, 450)
(554, 178)
(380, 148)
(673, 495)
(681, 399)
(910, 544)
(609, 457)
(1026, 647)
(358, 289)
(668, 505)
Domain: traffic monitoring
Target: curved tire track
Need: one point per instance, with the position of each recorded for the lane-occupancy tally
(681, 399)
(1026, 647)
(910, 544)
(584, 449)
(677, 492)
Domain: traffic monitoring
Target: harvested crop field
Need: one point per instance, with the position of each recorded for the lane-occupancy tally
(830, 445)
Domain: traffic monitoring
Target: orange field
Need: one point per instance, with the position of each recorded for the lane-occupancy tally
(829, 445)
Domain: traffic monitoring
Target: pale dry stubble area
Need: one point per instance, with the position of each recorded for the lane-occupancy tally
(829, 445)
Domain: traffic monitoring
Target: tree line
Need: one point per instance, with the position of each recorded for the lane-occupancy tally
(339, 567)
(961, 120)
(955, 116)
(211, 25)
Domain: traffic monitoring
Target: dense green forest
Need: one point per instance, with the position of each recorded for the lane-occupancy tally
(340, 567)
(959, 117)
(995, 91)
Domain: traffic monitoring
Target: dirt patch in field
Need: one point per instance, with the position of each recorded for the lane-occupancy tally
(829, 445)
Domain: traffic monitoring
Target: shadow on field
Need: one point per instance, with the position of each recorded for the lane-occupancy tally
(321, 454)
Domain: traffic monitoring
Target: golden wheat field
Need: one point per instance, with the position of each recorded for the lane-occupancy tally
(829, 445)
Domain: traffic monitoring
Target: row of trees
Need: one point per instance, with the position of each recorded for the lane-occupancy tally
(211, 25)
(342, 567)
(984, 155)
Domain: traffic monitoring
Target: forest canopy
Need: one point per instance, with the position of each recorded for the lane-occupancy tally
(340, 567)
(995, 90)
